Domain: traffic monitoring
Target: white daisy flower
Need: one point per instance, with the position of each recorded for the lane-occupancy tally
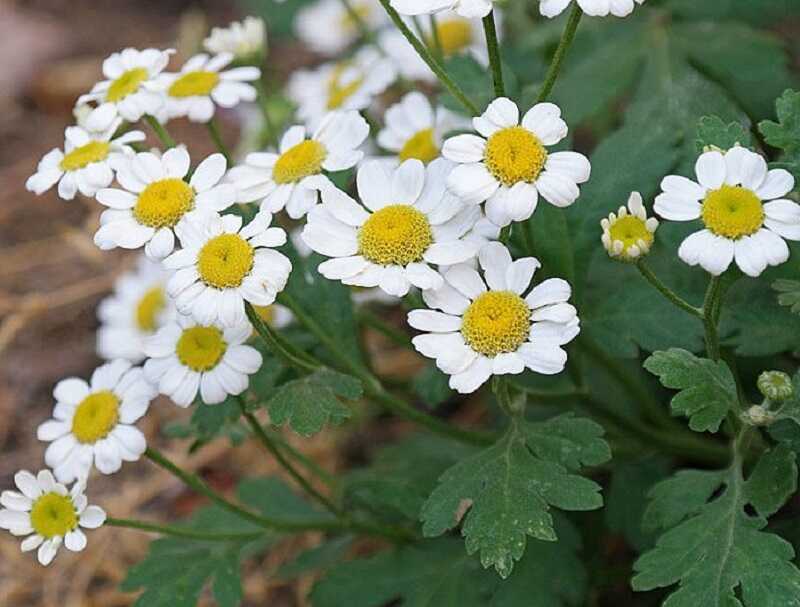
(595, 8)
(742, 206)
(93, 422)
(186, 357)
(130, 90)
(137, 308)
(350, 84)
(629, 233)
(408, 220)
(155, 197)
(221, 265)
(415, 130)
(340, 29)
(465, 8)
(291, 178)
(508, 165)
(243, 39)
(200, 85)
(48, 514)
(488, 326)
(86, 164)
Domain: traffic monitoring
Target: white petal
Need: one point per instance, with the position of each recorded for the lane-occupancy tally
(473, 377)
(544, 121)
(545, 359)
(495, 260)
(464, 148)
(466, 280)
(778, 183)
(93, 517)
(520, 273)
(430, 320)
(75, 540)
(208, 173)
(711, 170)
(550, 291)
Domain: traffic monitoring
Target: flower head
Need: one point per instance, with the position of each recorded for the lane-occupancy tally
(293, 177)
(508, 165)
(48, 513)
(186, 356)
(493, 324)
(465, 8)
(740, 203)
(222, 264)
(629, 233)
(775, 385)
(243, 39)
(93, 422)
(405, 221)
(87, 162)
(595, 8)
(155, 197)
(327, 27)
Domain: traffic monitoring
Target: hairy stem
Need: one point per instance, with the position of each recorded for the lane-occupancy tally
(161, 132)
(668, 293)
(493, 48)
(711, 306)
(216, 137)
(184, 532)
(561, 51)
(284, 350)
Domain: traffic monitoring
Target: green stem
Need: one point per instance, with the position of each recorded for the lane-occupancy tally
(563, 45)
(216, 137)
(184, 532)
(426, 56)
(290, 355)
(710, 317)
(269, 127)
(668, 293)
(372, 320)
(305, 461)
(161, 132)
(493, 48)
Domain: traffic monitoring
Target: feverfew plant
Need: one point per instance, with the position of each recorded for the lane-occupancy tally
(628, 348)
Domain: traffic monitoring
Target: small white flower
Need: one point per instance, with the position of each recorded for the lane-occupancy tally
(194, 91)
(629, 233)
(223, 264)
(415, 130)
(137, 308)
(87, 162)
(48, 514)
(155, 198)
(243, 39)
(130, 90)
(465, 8)
(731, 199)
(595, 8)
(93, 422)
(408, 220)
(186, 357)
(327, 27)
(291, 178)
(488, 326)
(350, 84)
(508, 165)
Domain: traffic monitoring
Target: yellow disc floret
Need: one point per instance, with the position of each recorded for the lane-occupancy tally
(420, 146)
(299, 161)
(94, 151)
(630, 230)
(126, 84)
(201, 348)
(338, 91)
(496, 322)
(515, 154)
(395, 235)
(455, 35)
(53, 515)
(194, 84)
(733, 212)
(162, 203)
(225, 260)
(149, 307)
(95, 417)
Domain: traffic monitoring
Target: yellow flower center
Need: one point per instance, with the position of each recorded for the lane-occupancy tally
(149, 307)
(224, 261)
(299, 161)
(496, 322)
(94, 151)
(629, 230)
(162, 203)
(515, 154)
(733, 212)
(454, 35)
(420, 146)
(339, 92)
(126, 84)
(201, 348)
(395, 235)
(95, 417)
(53, 515)
(194, 84)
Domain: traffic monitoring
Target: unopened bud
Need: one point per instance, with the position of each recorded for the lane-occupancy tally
(775, 385)
(758, 416)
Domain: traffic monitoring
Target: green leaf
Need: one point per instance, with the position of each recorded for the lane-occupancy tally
(319, 558)
(785, 134)
(503, 494)
(789, 293)
(310, 402)
(431, 385)
(274, 499)
(713, 548)
(707, 388)
(712, 130)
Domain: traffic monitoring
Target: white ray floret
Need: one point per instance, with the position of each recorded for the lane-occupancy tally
(465, 8)
(328, 27)
(629, 233)
(595, 8)
(244, 39)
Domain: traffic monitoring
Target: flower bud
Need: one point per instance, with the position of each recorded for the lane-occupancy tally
(628, 234)
(757, 415)
(775, 385)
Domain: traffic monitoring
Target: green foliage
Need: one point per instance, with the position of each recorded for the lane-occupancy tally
(707, 388)
(712, 131)
(715, 549)
(271, 497)
(432, 386)
(789, 294)
(785, 134)
(503, 494)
